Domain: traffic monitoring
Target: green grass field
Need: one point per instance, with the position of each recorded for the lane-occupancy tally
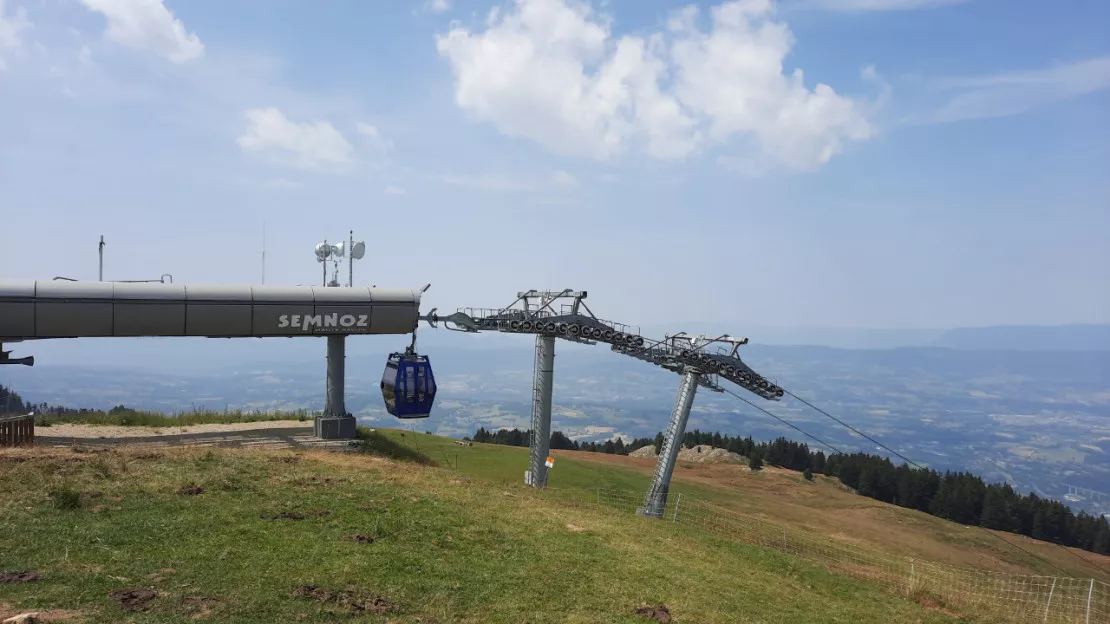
(506, 464)
(467, 545)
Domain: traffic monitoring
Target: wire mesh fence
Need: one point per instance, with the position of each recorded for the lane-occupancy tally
(1014, 597)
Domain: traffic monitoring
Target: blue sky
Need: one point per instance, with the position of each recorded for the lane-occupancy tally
(934, 164)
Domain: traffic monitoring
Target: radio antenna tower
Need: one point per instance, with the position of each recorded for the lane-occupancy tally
(263, 252)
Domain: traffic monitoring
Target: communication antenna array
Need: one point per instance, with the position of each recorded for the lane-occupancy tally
(350, 249)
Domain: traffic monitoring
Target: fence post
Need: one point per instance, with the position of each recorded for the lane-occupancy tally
(1090, 592)
(784, 539)
(1049, 604)
(913, 576)
(677, 502)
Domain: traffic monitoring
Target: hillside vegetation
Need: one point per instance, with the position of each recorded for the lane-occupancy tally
(242, 535)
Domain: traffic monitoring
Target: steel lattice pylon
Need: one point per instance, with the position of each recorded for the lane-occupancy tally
(655, 500)
(540, 443)
(534, 312)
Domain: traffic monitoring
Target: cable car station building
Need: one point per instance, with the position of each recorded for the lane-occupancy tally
(37, 310)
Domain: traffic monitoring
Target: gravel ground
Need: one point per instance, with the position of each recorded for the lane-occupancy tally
(114, 431)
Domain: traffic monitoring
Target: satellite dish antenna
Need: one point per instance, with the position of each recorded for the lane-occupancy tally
(338, 249)
(358, 250)
(323, 250)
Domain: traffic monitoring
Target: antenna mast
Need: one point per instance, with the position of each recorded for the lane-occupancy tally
(101, 249)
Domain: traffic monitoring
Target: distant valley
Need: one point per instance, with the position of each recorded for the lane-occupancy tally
(1037, 419)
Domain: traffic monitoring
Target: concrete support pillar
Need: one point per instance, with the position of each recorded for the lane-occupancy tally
(335, 423)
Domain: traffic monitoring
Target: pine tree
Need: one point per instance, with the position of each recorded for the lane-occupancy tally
(756, 462)
(1102, 540)
(868, 481)
(808, 474)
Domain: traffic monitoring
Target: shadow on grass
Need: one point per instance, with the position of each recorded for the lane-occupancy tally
(378, 444)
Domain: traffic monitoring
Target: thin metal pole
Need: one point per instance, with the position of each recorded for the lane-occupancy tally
(677, 502)
(101, 249)
(1090, 592)
(351, 261)
(1049, 604)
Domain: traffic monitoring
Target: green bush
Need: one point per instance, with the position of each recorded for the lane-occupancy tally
(64, 497)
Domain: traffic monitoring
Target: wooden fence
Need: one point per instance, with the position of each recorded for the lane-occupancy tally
(17, 430)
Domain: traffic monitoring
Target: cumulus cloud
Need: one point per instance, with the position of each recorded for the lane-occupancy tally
(883, 5)
(394, 190)
(11, 32)
(373, 137)
(557, 180)
(1017, 92)
(438, 6)
(552, 71)
(314, 145)
(149, 26)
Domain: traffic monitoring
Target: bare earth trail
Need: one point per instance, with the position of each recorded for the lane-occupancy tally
(276, 434)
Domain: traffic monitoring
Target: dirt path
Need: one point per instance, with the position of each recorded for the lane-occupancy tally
(269, 434)
(115, 431)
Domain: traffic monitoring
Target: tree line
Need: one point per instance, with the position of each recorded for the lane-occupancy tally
(957, 496)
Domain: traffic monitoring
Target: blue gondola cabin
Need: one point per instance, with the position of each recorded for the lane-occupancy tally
(408, 385)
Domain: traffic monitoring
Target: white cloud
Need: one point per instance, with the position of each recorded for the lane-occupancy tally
(312, 145)
(438, 6)
(551, 71)
(11, 32)
(148, 25)
(373, 136)
(394, 190)
(883, 5)
(550, 181)
(1013, 93)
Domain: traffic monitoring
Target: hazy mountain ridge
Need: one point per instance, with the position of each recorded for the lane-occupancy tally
(1028, 338)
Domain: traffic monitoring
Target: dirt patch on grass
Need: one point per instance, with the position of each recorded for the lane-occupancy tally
(318, 512)
(350, 600)
(934, 605)
(100, 508)
(574, 528)
(868, 573)
(285, 515)
(18, 577)
(136, 599)
(286, 459)
(190, 490)
(660, 614)
(199, 607)
(48, 615)
(359, 538)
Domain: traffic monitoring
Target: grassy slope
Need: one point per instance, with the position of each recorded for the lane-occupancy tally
(822, 507)
(450, 548)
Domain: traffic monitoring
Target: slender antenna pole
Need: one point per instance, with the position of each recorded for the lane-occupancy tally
(101, 248)
(351, 261)
(263, 252)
